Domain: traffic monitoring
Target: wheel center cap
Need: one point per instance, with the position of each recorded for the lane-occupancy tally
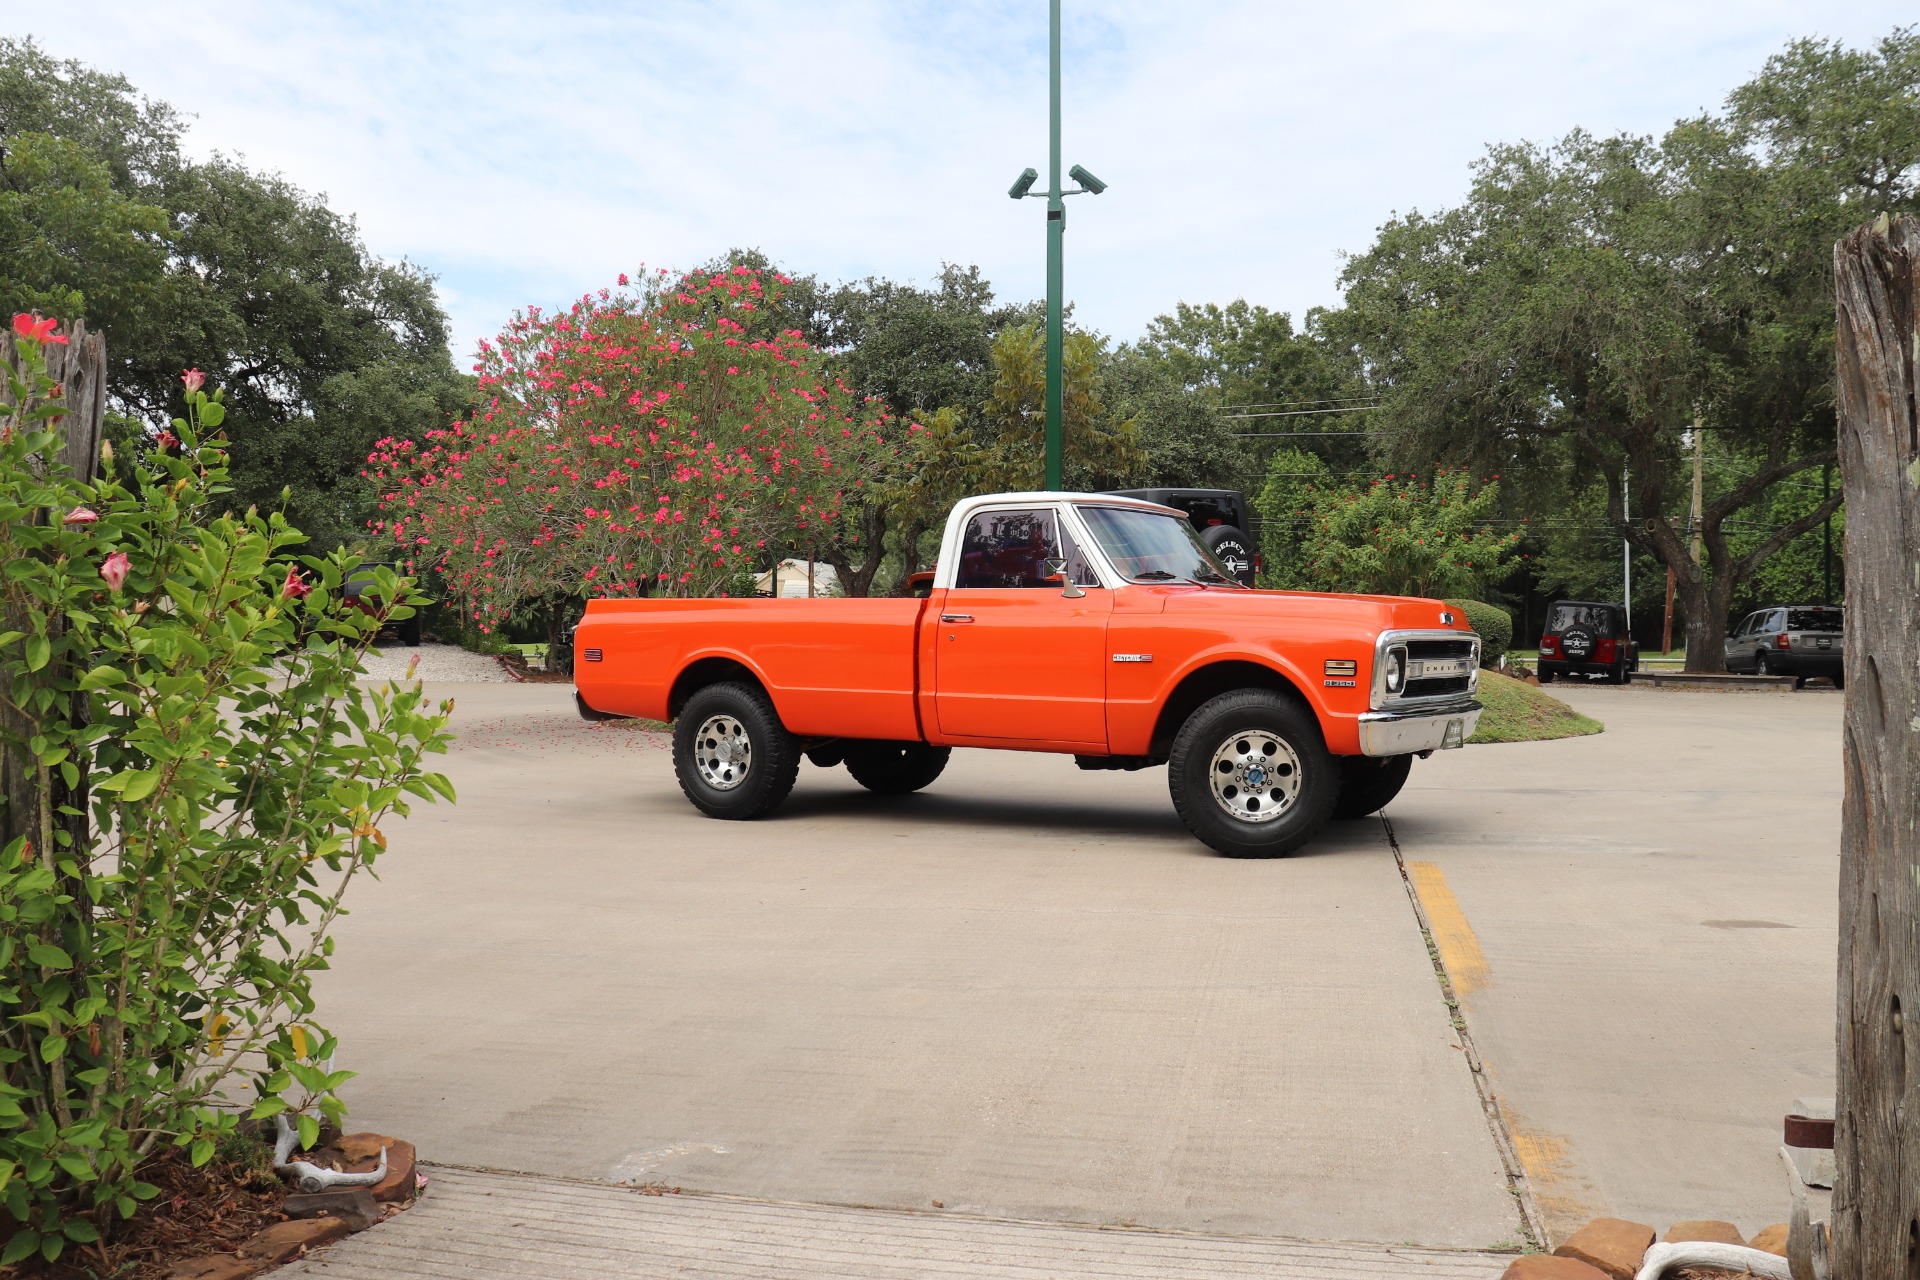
(1256, 776)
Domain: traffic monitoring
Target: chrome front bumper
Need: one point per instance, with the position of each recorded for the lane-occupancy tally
(1401, 733)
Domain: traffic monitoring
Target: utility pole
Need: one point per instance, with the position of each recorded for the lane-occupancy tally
(1626, 551)
(1699, 436)
(1022, 187)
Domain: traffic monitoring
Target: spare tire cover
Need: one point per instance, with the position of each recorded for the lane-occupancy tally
(1231, 548)
(1577, 643)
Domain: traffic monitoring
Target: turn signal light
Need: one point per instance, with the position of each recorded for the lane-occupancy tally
(1342, 667)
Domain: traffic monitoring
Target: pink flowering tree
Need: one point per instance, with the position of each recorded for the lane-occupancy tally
(651, 440)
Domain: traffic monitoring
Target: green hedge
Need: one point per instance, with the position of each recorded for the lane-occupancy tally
(1494, 624)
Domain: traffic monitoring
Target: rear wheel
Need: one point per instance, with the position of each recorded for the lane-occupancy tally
(1543, 675)
(895, 768)
(410, 631)
(1368, 783)
(733, 757)
(1839, 680)
(1250, 774)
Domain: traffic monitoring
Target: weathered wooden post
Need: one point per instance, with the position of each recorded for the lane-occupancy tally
(1876, 1203)
(80, 367)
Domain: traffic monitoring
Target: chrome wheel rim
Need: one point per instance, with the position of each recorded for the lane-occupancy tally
(723, 752)
(1255, 776)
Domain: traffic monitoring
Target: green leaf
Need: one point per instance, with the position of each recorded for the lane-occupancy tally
(80, 1230)
(52, 1048)
(309, 1132)
(74, 1165)
(140, 784)
(102, 677)
(49, 955)
(212, 414)
(202, 1151)
(267, 1107)
(39, 650)
(24, 1242)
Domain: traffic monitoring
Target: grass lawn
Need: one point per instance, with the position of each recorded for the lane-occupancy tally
(1518, 712)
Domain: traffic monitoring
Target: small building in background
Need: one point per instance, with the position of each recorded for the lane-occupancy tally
(790, 577)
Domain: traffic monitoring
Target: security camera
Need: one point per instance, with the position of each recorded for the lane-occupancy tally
(1023, 183)
(1086, 180)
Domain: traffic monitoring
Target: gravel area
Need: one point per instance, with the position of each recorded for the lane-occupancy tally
(438, 662)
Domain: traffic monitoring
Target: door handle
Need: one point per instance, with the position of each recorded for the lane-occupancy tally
(956, 617)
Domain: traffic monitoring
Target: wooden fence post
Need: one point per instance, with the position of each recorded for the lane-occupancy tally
(1876, 1203)
(80, 366)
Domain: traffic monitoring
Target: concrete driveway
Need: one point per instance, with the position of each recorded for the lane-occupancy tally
(1655, 912)
(1027, 993)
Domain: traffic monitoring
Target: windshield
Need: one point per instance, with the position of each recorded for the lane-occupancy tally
(1146, 546)
(1814, 620)
(1597, 618)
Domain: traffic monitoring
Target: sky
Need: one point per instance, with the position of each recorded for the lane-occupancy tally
(528, 153)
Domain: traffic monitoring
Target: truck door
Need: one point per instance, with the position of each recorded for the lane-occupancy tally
(1016, 658)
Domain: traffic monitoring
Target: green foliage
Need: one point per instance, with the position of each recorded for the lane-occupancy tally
(1518, 712)
(1570, 319)
(1295, 481)
(322, 347)
(1494, 626)
(192, 778)
(1408, 537)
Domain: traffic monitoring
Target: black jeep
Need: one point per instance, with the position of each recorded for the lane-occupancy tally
(1585, 638)
(1220, 517)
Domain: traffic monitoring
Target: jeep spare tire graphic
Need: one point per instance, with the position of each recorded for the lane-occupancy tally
(1232, 549)
(1577, 642)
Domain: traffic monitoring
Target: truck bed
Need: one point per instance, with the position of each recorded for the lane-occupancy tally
(835, 667)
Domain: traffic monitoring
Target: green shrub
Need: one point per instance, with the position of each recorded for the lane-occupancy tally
(1494, 625)
(192, 776)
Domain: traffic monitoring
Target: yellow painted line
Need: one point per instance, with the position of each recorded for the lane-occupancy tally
(1460, 951)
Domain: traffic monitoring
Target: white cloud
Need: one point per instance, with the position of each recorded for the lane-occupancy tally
(527, 153)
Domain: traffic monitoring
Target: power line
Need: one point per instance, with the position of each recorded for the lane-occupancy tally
(1303, 413)
(1288, 404)
(1300, 435)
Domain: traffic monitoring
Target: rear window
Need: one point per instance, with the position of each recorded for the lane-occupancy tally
(1815, 619)
(1597, 618)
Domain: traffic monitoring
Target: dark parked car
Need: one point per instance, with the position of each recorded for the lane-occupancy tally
(1798, 640)
(1586, 638)
(1220, 516)
(361, 591)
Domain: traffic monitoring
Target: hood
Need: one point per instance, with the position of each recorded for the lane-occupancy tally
(1376, 613)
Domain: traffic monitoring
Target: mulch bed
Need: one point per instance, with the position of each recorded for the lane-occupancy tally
(516, 666)
(212, 1209)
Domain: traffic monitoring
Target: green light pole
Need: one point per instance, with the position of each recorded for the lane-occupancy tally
(1056, 231)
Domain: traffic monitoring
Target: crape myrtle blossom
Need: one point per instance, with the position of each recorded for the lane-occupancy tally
(647, 440)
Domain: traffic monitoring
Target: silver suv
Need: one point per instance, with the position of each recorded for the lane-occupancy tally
(1791, 640)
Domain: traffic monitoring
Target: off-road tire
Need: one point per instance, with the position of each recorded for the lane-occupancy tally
(774, 760)
(1543, 675)
(895, 768)
(1368, 783)
(1250, 713)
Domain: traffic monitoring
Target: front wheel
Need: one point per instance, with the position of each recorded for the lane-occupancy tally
(1762, 666)
(733, 757)
(1367, 783)
(895, 768)
(1250, 774)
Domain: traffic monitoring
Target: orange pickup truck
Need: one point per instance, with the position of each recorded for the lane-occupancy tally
(1083, 624)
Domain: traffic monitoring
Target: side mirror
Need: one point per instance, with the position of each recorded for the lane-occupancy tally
(1055, 568)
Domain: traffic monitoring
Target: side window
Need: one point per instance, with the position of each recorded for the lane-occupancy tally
(1747, 627)
(1008, 548)
(1777, 620)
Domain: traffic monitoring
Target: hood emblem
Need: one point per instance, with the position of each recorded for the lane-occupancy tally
(1446, 618)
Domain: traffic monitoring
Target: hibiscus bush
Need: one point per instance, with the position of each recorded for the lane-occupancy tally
(192, 777)
(655, 439)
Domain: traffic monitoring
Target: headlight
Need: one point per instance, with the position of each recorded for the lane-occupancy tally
(1396, 669)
